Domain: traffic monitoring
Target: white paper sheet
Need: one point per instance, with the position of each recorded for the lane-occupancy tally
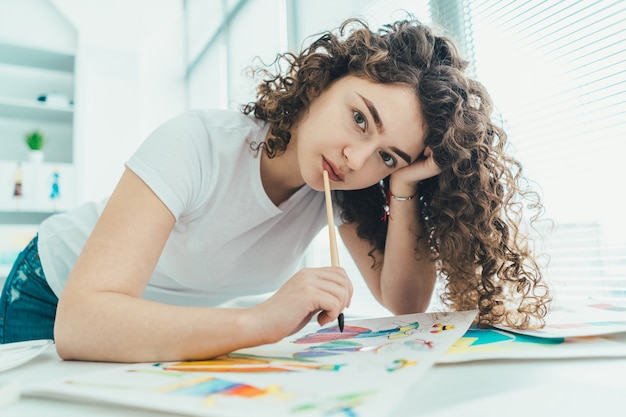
(363, 372)
(18, 353)
(582, 318)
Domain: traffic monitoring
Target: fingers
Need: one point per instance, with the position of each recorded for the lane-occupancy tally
(323, 291)
(427, 165)
(422, 168)
(327, 291)
(330, 288)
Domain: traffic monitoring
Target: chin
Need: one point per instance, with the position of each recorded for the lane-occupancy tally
(315, 183)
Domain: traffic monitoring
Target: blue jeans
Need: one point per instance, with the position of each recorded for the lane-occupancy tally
(27, 305)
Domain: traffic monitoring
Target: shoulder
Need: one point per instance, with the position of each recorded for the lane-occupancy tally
(206, 120)
(229, 131)
(206, 129)
(222, 119)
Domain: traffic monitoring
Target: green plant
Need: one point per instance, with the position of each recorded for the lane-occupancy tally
(35, 140)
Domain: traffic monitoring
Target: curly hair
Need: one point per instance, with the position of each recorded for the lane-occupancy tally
(471, 213)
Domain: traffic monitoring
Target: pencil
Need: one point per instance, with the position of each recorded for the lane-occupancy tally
(334, 255)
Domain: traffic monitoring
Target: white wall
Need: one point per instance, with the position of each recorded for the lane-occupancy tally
(129, 78)
(45, 26)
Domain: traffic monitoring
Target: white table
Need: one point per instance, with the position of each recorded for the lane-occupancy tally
(532, 388)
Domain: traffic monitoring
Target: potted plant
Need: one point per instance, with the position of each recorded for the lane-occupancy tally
(35, 141)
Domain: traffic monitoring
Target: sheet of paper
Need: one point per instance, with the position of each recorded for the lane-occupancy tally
(18, 353)
(581, 318)
(486, 344)
(363, 372)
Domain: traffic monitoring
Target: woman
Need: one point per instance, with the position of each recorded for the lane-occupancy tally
(218, 204)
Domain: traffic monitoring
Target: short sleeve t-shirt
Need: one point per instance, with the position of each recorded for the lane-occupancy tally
(229, 239)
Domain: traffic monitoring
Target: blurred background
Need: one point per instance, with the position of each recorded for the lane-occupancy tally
(94, 77)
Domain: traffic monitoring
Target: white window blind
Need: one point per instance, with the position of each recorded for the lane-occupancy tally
(557, 73)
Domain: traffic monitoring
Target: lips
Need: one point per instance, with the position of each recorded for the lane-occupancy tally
(334, 173)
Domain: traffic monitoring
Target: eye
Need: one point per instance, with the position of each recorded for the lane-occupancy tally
(359, 119)
(388, 160)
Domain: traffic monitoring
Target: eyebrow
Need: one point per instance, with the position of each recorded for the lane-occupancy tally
(379, 126)
(374, 113)
(402, 154)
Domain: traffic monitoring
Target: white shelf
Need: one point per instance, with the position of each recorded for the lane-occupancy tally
(34, 110)
(31, 66)
(45, 188)
(24, 217)
(28, 56)
(28, 71)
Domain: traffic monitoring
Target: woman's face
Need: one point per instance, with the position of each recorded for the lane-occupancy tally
(360, 132)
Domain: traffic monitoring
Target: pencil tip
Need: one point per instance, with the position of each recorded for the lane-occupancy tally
(340, 319)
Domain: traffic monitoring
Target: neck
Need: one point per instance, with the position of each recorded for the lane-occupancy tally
(280, 176)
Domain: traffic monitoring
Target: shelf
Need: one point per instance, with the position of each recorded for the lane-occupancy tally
(31, 66)
(36, 58)
(24, 217)
(42, 189)
(31, 109)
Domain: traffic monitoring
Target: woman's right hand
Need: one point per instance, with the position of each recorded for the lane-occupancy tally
(325, 290)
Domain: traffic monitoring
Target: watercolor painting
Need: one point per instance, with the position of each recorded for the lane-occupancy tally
(362, 372)
(488, 344)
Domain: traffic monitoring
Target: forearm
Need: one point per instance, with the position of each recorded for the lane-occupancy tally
(120, 328)
(408, 276)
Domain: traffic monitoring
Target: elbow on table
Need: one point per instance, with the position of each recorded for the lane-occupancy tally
(66, 333)
(62, 342)
(62, 349)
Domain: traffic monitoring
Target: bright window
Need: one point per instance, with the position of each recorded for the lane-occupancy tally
(557, 72)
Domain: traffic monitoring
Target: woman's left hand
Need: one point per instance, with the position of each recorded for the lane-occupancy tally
(422, 168)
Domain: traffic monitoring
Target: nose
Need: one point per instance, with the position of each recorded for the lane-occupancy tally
(356, 156)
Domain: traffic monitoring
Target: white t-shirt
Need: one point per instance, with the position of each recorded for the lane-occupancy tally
(229, 239)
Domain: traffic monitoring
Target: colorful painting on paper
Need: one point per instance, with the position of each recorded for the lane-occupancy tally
(361, 372)
(484, 344)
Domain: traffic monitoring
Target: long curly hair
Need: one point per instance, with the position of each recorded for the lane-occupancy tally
(472, 212)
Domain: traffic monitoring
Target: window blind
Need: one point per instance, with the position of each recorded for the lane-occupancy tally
(557, 73)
